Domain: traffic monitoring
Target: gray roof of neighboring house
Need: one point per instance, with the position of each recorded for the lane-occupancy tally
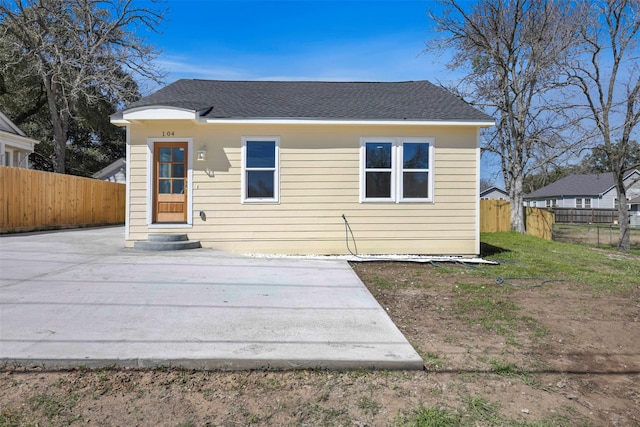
(485, 190)
(6, 125)
(110, 169)
(577, 185)
(412, 100)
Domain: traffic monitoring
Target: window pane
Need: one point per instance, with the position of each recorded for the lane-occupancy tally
(178, 170)
(165, 154)
(164, 186)
(164, 170)
(415, 185)
(378, 184)
(415, 155)
(178, 154)
(378, 155)
(261, 154)
(178, 186)
(260, 184)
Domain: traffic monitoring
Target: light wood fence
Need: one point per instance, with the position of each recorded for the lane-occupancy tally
(495, 216)
(32, 199)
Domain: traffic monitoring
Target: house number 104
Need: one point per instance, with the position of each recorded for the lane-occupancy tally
(169, 133)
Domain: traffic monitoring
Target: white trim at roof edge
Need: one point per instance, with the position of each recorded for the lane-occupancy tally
(626, 177)
(157, 112)
(160, 112)
(18, 141)
(277, 121)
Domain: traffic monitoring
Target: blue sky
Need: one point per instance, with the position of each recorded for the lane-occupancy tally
(298, 40)
(330, 40)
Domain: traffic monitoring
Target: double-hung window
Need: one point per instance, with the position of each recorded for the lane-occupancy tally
(379, 179)
(260, 169)
(396, 170)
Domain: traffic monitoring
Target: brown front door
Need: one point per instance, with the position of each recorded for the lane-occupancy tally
(170, 182)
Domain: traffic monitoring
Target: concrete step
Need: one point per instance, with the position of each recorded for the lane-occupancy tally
(167, 237)
(166, 242)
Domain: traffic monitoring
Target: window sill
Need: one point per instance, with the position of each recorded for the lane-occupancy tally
(400, 202)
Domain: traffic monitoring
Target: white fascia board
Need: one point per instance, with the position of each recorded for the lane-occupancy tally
(17, 141)
(350, 122)
(158, 113)
(120, 122)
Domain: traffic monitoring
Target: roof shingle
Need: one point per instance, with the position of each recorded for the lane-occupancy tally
(412, 100)
(576, 185)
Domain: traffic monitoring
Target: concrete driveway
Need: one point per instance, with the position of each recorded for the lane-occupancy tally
(78, 298)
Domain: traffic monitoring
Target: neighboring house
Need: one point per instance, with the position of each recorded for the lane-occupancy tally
(494, 193)
(15, 146)
(274, 166)
(634, 212)
(592, 191)
(115, 172)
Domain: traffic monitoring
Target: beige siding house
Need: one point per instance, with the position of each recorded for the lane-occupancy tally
(280, 167)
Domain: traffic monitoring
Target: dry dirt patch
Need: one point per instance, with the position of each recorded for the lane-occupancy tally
(551, 355)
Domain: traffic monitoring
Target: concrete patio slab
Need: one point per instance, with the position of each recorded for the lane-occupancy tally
(78, 298)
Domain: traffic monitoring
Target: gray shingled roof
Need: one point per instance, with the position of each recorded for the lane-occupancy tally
(413, 100)
(6, 125)
(576, 185)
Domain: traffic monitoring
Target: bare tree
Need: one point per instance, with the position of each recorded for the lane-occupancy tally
(607, 74)
(511, 52)
(83, 51)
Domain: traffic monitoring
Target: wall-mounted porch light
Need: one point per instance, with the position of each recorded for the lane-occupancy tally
(202, 153)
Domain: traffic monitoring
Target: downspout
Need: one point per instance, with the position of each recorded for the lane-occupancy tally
(477, 192)
(127, 165)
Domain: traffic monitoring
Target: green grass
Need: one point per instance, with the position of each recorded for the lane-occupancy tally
(56, 409)
(528, 261)
(492, 308)
(477, 411)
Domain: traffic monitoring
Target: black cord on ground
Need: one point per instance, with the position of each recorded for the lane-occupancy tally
(500, 280)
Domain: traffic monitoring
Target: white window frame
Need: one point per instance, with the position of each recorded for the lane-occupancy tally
(578, 203)
(8, 157)
(364, 169)
(276, 170)
(397, 169)
(587, 203)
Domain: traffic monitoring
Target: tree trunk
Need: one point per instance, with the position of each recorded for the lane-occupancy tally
(60, 127)
(517, 206)
(624, 244)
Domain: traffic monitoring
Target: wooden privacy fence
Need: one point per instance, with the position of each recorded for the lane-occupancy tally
(495, 215)
(586, 216)
(32, 199)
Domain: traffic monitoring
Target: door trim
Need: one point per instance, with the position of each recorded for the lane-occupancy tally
(150, 183)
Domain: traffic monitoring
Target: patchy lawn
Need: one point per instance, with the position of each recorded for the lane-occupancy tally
(547, 338)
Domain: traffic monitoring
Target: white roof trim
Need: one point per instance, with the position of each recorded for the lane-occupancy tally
(626, 177)
(157, 113)
(18, 141)
(351, 122)
(175, 113)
